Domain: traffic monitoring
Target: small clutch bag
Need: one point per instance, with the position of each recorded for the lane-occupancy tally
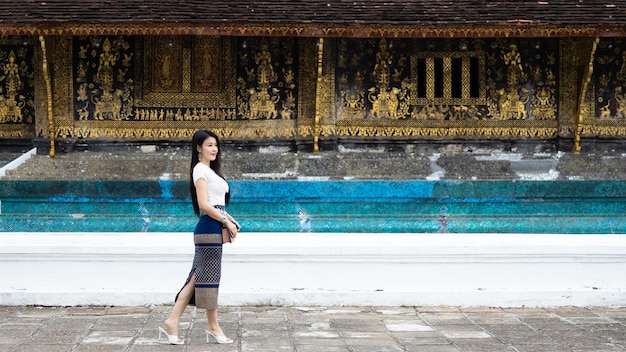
(227, 237)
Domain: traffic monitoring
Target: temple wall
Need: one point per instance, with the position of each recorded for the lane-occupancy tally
(287, 88)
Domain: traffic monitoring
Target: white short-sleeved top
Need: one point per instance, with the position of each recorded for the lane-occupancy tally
(216, 187)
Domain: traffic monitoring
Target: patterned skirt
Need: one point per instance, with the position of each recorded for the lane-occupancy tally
(207, 262)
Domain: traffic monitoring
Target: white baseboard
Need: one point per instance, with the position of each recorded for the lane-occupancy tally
(127, 269)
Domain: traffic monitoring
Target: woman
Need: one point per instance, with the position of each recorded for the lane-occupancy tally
(210, 194)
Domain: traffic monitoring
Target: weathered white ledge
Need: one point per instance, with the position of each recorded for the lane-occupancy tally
(319, 269)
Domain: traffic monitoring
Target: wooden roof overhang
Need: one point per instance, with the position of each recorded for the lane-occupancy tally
(317, 18)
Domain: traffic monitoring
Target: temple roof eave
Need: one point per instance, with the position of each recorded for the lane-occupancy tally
(324, 30)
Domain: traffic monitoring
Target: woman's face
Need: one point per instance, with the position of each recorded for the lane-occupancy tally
(208, 150)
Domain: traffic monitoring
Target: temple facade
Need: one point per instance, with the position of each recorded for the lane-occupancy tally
(313, 74)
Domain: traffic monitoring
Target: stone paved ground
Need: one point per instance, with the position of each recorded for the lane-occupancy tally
(318, 329)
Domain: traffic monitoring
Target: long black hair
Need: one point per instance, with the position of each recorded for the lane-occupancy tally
(198, 139)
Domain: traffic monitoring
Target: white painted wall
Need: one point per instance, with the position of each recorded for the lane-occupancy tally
(319, 269)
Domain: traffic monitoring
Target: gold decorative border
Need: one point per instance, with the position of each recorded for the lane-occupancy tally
(470, 129)
(17, 131)
(511, 29)
(176, 131)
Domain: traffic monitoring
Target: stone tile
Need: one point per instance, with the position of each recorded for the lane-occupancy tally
(55, 339)
(313, 348)
(488, 319)
(550, 324)
(439, 309)
(507, 327)
(320, 334)
(108, 338)
(421, 339)
(266, 346)
(486, 345)
(348, 335)
(542, 348)
(525, 312)
(376, 348)
(466, 334)
(359, 326)
(406, 325)
(261, 333)
(525, 338)
(99, 348)
(397, 311)
(39, 348)
(432, 348)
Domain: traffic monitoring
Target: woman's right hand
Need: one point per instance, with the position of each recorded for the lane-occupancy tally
(232, 228)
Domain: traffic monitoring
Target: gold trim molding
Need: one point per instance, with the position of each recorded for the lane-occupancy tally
(508, 30)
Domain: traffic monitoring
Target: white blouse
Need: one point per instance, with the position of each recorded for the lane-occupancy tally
(216, 187)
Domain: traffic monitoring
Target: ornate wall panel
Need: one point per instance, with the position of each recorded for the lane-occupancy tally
(103, 78)
(267, 84)
(504, 88)
(17, 87)
(166, 87)
(605, 107)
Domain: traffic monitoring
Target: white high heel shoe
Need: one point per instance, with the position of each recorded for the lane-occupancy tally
(220, 339)
(173, 339)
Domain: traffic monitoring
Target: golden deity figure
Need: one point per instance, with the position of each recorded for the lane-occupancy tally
(511, 105)
(383, 60)
(109, 105)
(263, 99)
(104, 75)
(513, 60)
(544, 105)
(9, 110)
(13, 81)
(165, 76)
(385, 103)
(263, 59)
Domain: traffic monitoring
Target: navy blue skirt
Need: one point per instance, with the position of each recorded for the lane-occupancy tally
(207, 262)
